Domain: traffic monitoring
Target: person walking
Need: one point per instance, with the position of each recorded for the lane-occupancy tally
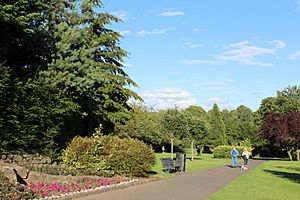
(245, 155)
(234, 157)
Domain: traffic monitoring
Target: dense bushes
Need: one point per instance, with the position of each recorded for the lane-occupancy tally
(109, 154)
(224, 151)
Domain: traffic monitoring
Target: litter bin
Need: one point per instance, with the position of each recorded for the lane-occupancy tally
(180, 162)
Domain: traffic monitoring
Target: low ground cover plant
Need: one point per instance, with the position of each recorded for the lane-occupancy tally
(72, 186)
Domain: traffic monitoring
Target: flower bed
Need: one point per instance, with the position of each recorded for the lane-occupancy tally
(73, 186)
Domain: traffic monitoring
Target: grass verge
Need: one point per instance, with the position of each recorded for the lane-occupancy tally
(203, 162)
(274, 180)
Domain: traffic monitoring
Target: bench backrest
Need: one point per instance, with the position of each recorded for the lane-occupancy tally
(167, 162)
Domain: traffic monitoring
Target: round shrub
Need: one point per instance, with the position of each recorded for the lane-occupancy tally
(109, 155)
(81, 154)
(224, 151)
(127, 156)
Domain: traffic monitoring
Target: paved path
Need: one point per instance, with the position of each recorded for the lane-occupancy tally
(185, 186)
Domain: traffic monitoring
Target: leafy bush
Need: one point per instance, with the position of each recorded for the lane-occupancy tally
(10, 191)
(81, 154)
(224, 151)
(109, 155)
(127, 156)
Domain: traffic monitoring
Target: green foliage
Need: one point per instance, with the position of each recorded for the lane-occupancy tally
(82, 154)
(87, 66)
(287, 99)
(175, 124)
(24, 42)
(144, 125)
(216, 134)
(59, 63)
(109, 154)
(127, 156)
(224, 151)
(31, 115)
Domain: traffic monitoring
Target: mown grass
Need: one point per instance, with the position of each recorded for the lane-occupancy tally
(273, 180)
(202, 162)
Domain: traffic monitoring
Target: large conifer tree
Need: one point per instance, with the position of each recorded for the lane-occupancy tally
(216, 134)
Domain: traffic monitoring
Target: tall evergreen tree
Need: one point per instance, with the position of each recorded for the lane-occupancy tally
(88, 65)
(231, 127)
(245, 122)
(64, 63)
(216, 134)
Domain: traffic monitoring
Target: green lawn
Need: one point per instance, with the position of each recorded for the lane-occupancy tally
(205, 161)
(272, 180)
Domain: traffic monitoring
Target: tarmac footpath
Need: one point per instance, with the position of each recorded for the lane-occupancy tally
(184, 186)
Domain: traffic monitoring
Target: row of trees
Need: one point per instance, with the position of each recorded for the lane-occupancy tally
(192, 125)
(275, 125)
(61, 72)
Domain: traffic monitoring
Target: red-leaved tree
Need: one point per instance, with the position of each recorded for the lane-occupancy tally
(283, 130)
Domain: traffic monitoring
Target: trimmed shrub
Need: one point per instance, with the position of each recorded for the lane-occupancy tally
(127, 156)
(224, 151)
(81, 154)
(109, 155)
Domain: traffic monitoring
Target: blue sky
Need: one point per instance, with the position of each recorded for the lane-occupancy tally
(200, 52)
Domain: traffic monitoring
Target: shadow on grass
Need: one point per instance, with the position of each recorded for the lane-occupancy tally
(269, 158)
(297, 169)
(294, 177)
(151, 173)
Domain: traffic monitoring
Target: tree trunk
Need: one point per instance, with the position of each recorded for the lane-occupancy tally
(290, 154)
(192, 148)
(172, 148)
(298, 154)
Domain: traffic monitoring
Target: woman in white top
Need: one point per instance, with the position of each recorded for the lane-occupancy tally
(245, 155)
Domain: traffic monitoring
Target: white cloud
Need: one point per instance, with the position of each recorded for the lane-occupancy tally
(192, 45)
(168, 98)
(217, 84)
(152, 32)
(294, 56)
(222, 104)
(245, 53)
(170, 12)
(197, 29)
(278, 44)
(121, 14)
(197, 62)
(126, 32)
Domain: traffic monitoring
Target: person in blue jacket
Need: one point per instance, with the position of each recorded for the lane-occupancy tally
(234, 157)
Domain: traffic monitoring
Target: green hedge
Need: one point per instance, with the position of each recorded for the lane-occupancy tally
(224, 151)
(109, 155)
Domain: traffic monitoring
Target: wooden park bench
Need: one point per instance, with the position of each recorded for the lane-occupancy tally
(168, 165)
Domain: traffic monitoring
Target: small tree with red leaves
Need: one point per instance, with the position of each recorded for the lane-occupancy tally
(283, 130)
